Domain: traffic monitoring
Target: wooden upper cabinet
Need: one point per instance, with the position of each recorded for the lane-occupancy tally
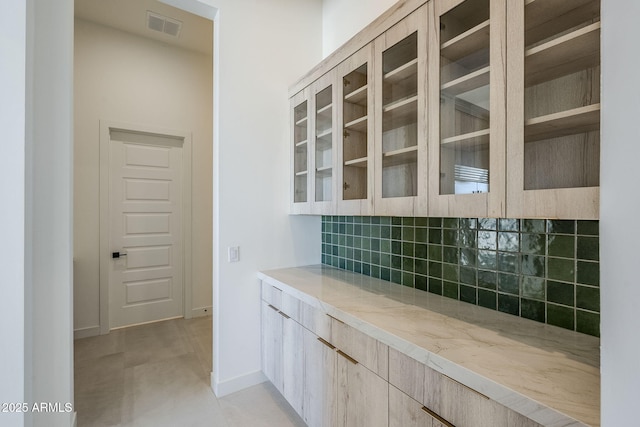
(354, 174)
(461, 108)
(300, 120)
(554, 109)
(401, 117)
(467, 78)
(323, 147)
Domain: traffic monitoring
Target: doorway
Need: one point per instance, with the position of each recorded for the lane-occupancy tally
(123, 78)
(146, 225)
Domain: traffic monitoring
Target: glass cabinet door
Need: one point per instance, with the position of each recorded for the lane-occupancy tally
(400, 147)
(323, 94)
(467, 82)
(300, 136)
(355, 139)
(554, 96)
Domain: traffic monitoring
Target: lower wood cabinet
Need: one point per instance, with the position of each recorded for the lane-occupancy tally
(362, 396)
(348, 378)
(319, 391)
(406, 412)
(272, 344)
(449, 401)
(292, 362)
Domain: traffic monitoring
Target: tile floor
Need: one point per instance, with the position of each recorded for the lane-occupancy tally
(158, 375)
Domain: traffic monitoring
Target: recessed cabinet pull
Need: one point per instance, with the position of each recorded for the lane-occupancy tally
(467, 387)
(284, 315)
(337, 320)
(437, 417)
(346, 356)
(273, 308)
(327, 343)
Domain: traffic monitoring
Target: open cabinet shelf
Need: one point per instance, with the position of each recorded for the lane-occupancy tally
(467, 43)
(358, 96)
(402, 73)
(400, 113)
(401, 156)
(359, 163)
(467, 83)
(357, 125)
(571, 122)
(549, 17)
(563, 55)
(480, 137)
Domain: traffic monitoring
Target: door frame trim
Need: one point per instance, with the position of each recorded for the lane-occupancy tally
(105, 130)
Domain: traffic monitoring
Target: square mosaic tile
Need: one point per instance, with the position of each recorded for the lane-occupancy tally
(544, 270)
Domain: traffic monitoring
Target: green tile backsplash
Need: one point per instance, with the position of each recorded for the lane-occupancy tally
(544, 270)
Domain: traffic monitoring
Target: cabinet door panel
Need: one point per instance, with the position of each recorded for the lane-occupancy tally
(301, 122)
(467, 96)
(553, 99)
(362, 396)
(323, 147)
(319, 404)
(292, 363)
(355, 134)
(406, 412)
(272, 345)
(401, 117)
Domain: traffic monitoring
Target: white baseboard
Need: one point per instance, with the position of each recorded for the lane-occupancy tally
(91, 331)
(241, 382)
(201, 311)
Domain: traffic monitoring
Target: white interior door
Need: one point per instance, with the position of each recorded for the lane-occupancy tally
(145, 200)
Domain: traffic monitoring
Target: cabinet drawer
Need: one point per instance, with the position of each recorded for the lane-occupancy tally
(291, 307)
(456, 403)
(368, 351)
(272, 295)
(315, 320)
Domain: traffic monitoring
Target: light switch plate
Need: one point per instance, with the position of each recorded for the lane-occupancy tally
(234, 253)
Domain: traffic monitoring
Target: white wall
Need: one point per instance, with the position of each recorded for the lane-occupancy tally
(620, 205)
(125, 78)
(13, 33)
(48, 340)
(262, 48)
(342, 19)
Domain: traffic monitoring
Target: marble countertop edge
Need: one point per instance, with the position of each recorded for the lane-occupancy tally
(514, 400)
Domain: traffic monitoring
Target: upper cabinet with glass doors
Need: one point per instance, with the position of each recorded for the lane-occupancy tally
(458, 108)
(467, 100)
(554, 109)
(300, 136)
(401, 117)
(323, 155)
(355, 139)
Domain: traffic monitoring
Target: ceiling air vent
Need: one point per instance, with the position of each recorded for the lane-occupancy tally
(163, 24)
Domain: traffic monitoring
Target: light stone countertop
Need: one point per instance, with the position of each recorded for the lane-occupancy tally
(549, 374)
